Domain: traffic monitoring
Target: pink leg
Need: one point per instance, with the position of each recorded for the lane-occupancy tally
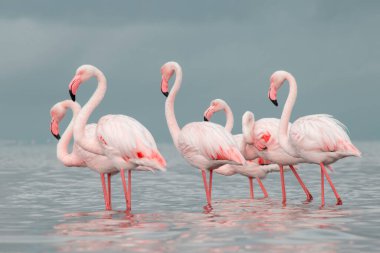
(210, 186)
(129, 190)
(205, 185)
(109, 190)
(262, 187)
(251, 188)
(282, 184)
(338, 199)
(322, 188)
(308, 195)
(124, 186)
(105, 192)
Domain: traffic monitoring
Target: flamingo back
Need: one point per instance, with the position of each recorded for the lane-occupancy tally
(208, 142)
(126, 138)
(323, 133)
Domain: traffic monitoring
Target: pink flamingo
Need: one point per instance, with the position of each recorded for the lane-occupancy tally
(253, 169)
(80, 157)
(124, 140)
(204, 145)
(318, 138)
(263, 135)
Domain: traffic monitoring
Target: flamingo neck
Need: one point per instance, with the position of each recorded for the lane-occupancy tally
(286, 114)
(229, 118)
(169, 106)
(63, 155)
(90, 145)
(247, 130)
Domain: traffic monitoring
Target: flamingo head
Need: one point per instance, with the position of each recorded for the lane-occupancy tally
(167, 71)
(57, 113)
(82, 74)
(248, 124)
(215, 106)
(276, 81)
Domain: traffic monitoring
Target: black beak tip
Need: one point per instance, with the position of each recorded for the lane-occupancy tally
(274, 101)
(72, 95)
(166, 93)
(204, 118)
(57, 136)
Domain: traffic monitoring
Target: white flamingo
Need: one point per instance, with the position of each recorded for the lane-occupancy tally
(317, 138)
(78, 156)
(124, 140)
(204, 145)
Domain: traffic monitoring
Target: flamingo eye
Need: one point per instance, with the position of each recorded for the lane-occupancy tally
(140, 154)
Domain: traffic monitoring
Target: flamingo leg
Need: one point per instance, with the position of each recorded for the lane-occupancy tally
(105, 191)
(338, 199)
(308, 195)
(109, 190)
(129, 190)
(322, 188)
(251, 194)
(262, 188)
(210, 186)
(283, 184)
(124, 186)
(205, 185)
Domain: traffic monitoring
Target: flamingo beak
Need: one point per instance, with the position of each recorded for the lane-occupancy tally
(73, 86)
(272, 93)
(54, 129)
(274, 101)
(72, 95)
(205, 119)
(164, 87)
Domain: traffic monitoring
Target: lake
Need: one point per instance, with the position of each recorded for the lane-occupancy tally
(46, 207)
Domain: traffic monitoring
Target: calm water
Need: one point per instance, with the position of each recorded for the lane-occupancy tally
(45, 207)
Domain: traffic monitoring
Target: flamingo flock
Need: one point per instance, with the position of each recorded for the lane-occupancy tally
(119, 143)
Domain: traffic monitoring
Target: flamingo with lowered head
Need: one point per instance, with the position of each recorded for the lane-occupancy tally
(263, 135)
(318, 138)
(124, 140)
(253, 169)
(78, 156)
(204, 145)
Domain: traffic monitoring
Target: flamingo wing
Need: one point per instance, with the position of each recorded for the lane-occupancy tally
(127, 138)
(321, 132)
(210, 141)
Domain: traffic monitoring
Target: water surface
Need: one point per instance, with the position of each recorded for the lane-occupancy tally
(45, 207)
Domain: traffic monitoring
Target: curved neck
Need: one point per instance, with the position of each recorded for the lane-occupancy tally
(286, 113)
(169, 105)
(229, 118)
(63, 155)
(90, 145)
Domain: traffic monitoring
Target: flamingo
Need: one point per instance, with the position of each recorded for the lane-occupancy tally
(263, 135)
(253, 169)
(317, 139)
(124, 140)
(204, 145)
(80, 157)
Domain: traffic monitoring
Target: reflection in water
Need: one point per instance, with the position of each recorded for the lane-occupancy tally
(228, 226)
(36, 211)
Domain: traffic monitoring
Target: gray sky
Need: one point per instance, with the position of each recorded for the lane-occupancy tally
(228, 49)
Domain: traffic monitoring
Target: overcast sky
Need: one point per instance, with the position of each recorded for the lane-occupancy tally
(227, 49)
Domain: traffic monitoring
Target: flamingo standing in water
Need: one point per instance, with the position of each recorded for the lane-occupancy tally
(318, 138)
(80, 157)
(262, 134)
(204, 145)
(253, 168)
(124, 140)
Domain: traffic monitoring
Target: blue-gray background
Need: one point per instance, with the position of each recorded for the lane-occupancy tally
(227, 49)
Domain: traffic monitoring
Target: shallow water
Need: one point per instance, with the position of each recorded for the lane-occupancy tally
(45, 207)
